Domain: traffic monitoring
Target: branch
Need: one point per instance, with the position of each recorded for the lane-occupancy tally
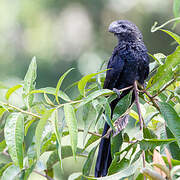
(152, 100)
(129, 87)
(37, 116)
(136, 92)
(154, 28)
(92, 133)
(164, 88)
(44, 175)
(21, 110)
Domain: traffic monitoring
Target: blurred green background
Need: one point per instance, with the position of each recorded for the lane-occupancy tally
(64, 34)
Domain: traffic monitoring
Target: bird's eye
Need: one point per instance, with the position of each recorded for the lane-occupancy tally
(123, 26)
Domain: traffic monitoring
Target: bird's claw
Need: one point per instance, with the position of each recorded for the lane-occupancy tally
(117, 92)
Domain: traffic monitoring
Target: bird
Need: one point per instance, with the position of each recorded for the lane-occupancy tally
(129, 63)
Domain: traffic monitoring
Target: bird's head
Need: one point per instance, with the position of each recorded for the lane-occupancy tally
(125, 30)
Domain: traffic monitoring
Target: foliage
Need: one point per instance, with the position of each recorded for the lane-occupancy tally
(39, 125)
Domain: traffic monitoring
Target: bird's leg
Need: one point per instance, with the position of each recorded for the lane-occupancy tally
(138, 104)
(117, 92)
(136, 91)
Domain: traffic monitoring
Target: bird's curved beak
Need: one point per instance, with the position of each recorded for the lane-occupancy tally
(113, 27)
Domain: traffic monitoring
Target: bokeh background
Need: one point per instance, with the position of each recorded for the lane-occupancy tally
(64, 34)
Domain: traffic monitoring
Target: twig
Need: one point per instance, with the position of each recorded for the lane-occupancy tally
(152, 100)
(154, 28)
(70, 102)
(161, 90)
(92, 133)
(138, 105)
(41, 174)
(37, 116)
(129, 87)
(136, 91)
(21, 110)
(143, 157)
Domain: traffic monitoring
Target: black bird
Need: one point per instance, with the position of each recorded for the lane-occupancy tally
(129, 62)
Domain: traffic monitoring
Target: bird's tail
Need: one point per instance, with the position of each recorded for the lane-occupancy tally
(104, 155)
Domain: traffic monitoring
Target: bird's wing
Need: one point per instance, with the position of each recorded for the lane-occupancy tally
(115, 66)
(143, 68)
(146, 66)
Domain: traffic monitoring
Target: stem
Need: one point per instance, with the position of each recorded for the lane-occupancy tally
(37, 116)
(154, 28)
(21, 110)
(46, 176)
(92, 133)
(143, 157)
(138, 105)
(161, 90)
(129, 87)
(152, 100)
(70, 102)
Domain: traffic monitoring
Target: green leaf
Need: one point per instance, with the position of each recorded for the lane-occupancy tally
(71, 121)
(90, 97)
(137, 155)
(49, 145)
(29, 82)
(66, 151)
(2, 110)
(27, 172)
(11, 90)
(51, 90)
(82, 83)
(58, 132)
(60, 82)
(122, 106)
(107, 115)
(88, 164)
(40, 129)
(89, 114)
(148, 133)
(2, 145)
(3, 167)
(53, 159)
(159, 57)
(173, 161)
(117, 165)
(172, 119)
(10, 173)
(116, 143)
(173, 35)
(91, 140)
(165, 72)
(176, 9)
(4, 158)
(14, 136)
(174, 148)
(30, 133)
(28, 124)
(129, 171)
(48, 101)
(146, 144)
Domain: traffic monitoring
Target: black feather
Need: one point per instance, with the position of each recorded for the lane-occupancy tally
(129, 62)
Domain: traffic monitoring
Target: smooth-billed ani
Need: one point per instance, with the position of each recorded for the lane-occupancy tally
(129, 62)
